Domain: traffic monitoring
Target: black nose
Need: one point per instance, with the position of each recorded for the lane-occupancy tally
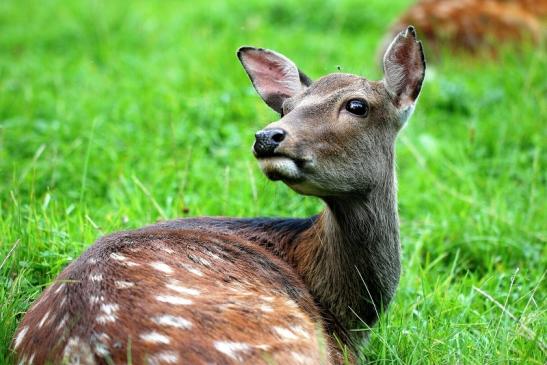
(267, 140)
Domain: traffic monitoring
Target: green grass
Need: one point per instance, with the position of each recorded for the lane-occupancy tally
(116, 114)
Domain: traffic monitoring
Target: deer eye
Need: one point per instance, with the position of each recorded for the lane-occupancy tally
(357, 107)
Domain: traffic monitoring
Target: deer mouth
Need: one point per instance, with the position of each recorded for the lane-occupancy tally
(282, 167)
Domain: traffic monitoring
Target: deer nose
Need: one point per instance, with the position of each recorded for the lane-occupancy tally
(267, 140)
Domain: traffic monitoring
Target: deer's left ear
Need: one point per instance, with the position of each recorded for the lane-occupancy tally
(273, 75)
(404, 70)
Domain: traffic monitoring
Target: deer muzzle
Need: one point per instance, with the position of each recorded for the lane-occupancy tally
(267, 140)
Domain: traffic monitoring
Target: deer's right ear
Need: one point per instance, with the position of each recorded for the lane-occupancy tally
(404, 68)
(273, 75)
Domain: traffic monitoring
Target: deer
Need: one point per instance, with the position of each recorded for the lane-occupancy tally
(476, 27)
(217, 290)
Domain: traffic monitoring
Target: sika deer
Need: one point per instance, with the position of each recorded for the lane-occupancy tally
(256, 291)
(475, 26)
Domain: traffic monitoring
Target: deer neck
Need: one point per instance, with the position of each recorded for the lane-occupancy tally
(350, 256)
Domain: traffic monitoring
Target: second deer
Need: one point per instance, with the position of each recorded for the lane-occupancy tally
(263, 290)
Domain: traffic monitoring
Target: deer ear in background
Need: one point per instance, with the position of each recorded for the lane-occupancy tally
(404, 68)
(273, 75)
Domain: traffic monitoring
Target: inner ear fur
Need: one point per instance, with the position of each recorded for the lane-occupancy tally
(404, 68)
(274, 76)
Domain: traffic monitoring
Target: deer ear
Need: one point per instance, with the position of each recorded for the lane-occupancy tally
(273, 75)
(404, 69)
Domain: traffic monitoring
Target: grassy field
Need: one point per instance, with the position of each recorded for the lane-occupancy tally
(114, 115)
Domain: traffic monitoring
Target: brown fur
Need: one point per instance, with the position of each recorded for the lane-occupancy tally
(474, 26)
(256, 291)
(236, 280)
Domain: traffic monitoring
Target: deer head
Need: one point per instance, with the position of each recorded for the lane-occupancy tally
(335, 136)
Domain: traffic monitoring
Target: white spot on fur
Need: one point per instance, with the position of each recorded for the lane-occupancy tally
(20, 337)
(167, 249)
(130, 263)
(161, 266)
(103, 337)
(192, 270)
(92, 260)
(172, 321)
(101, 349)
(300, 331)
(31, 358)
(109, 308)
(155, 337)
(77, 352)
(285, 334)
(165, 357)
(200, 260)
(232, 349)
(118, 257)
(263, 347)
(214, 256)
(171, 299)
(266, 308)
(108, 313)
(182, 290)
(266, 298)
(43, 320)
(121, 284)
(204, 262)
(62, 322)
(94, 299)
(59, 288)
(300, 358)
(96, 277)
(291, 303)
(62, 302)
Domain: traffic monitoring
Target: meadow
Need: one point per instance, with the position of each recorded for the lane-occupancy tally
(114, 115)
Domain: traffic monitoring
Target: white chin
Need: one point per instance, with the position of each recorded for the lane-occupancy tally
(279, 168)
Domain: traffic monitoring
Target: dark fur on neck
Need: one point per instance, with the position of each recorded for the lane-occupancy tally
(349, 255)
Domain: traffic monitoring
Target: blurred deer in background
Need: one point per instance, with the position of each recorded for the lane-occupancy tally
(475, 26)
(264, 290)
